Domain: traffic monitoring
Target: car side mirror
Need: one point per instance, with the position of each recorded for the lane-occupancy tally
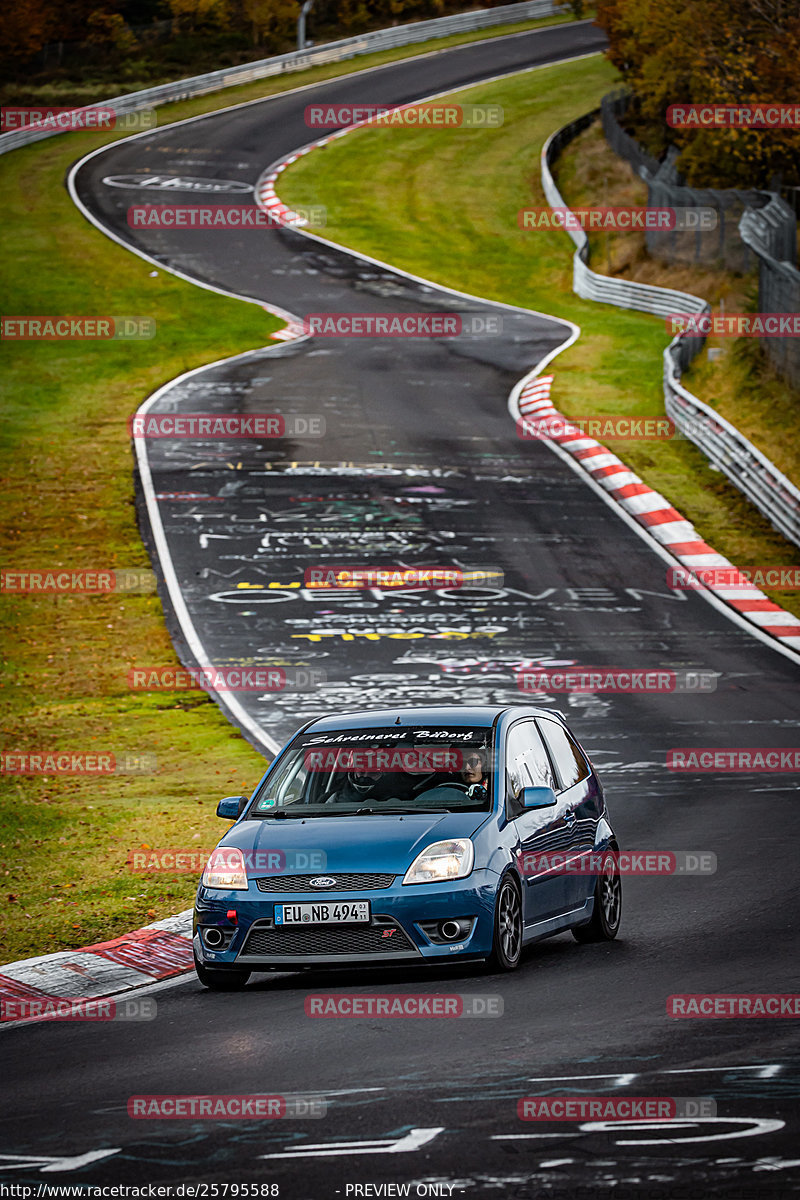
(232, 807)
(538, 797)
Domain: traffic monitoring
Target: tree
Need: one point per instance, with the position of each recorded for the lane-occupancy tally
(25, 27)
(194, 14)
(710, 52)
(271, 22)
(108, 30)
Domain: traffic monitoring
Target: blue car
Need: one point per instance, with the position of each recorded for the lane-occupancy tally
(410, 835)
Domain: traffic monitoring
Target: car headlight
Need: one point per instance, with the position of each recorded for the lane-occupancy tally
(225, 869)
(452, 859)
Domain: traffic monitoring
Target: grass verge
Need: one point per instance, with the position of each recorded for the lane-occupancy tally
(67, 500)
(443, 205)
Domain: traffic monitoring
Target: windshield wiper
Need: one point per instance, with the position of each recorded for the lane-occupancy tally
(281, 813)
(394, 811)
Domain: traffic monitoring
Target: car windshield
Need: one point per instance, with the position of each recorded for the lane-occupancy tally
(367, 772)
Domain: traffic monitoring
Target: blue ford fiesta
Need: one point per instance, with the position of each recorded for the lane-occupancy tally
(410, 835)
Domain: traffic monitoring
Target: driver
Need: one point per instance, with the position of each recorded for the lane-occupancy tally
(473, 773)
(357, 787)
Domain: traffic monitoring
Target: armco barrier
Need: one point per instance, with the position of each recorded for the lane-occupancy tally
(727, 449)
(299, 60)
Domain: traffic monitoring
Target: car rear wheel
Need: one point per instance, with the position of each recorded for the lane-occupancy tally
(607, 914)
(220, 981)
(507, 943)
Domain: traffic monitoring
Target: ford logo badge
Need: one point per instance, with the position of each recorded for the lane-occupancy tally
(322, 881)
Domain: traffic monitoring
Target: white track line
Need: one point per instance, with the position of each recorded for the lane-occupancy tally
(654, 535)
(176, 597)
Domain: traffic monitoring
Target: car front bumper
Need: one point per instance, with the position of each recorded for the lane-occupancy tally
(396, 932)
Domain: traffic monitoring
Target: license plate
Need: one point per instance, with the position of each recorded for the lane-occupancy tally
(331, 913)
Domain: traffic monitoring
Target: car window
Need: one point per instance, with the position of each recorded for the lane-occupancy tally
(341, 772)
(527, 764)
(571, 767)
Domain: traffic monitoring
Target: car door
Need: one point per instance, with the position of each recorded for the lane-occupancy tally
(579, 799)
(541, 832)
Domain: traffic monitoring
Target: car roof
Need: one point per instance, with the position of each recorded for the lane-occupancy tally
(450, 714)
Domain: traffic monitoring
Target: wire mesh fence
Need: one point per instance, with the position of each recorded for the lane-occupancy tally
(720, 246)
(725, 447)
(772, 233)
(754, 229)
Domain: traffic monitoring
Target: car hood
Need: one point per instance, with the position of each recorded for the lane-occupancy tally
(367, 843)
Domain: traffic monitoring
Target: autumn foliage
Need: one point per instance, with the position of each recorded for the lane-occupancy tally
(120, 27)
(710, 52)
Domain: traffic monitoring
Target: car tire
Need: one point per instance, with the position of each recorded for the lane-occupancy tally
(217, 980)
(507, 940)
(605, 921)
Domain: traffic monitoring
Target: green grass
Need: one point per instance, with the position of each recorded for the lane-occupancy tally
(443, 205)
(67, 500)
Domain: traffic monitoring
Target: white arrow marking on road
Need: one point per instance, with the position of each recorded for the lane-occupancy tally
(765, 1070)
(516, 1137)
(46, 1162)
(619, 1080)
(757, 1125)
(413, 1140)
(776, 1164)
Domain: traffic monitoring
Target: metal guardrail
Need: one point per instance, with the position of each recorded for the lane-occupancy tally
(771, 233)
(587, 283)
(775, 496)
(299, 60)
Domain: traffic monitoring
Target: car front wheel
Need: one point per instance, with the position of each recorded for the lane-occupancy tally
(607, 914)
(220, 981)
(507, 943)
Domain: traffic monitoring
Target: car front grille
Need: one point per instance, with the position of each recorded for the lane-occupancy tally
(318, 941)
(345, 882)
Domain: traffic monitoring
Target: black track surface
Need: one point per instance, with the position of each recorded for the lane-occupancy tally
(435, 474)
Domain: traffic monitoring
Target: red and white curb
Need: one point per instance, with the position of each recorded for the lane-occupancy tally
(531, 398)
(142, 957)
(648, 508)
(281, 214)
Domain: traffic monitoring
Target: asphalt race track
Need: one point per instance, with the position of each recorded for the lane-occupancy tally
(434, 473)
